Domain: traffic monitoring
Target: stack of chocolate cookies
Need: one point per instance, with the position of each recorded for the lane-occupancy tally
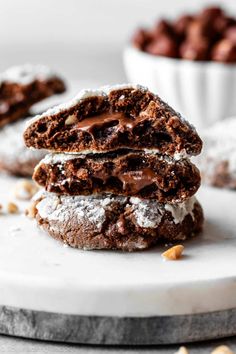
(119, 174)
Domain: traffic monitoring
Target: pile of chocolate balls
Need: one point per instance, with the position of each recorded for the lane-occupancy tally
(207, 35)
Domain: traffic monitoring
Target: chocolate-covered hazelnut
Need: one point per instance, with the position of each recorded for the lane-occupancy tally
(141, 38)
(181, 25)
(230, 33)
(211, 12)
(221, 24)
(199, 29)
(193, 37)
(197, 50)
(163, 46)
(224, 51)
(163, 27)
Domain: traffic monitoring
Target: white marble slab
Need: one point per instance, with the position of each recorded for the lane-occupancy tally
(39, 273)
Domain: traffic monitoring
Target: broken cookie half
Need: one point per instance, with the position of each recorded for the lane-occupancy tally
(122, 172)
(112, 118)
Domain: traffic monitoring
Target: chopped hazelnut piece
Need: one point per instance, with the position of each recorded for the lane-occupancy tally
(182, 350)
(222, 349)
(25, 189)
(72, 119)
(31, 210)
(12, 208)
(173, 253)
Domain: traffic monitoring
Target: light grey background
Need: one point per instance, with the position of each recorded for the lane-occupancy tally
(76, 21)
(83, 40)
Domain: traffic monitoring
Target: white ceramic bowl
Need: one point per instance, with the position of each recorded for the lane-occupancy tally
(204, 92)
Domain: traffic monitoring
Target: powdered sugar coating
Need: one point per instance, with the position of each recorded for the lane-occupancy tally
(180, 210)
(181, 155)
(219, 146)
(54, 158)
(176, 157)
(82, 95)
(12, 146)
(92, 209)
(26, 73)
(109, 88)
(149, 213)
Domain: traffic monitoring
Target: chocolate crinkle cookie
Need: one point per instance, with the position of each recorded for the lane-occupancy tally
(23, 86)
(218, 160)
(119, 174)
(20, 88)
(116, 222)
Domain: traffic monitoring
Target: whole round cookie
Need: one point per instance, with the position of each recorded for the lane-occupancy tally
(218, 160)
(15, 158)
(115, 222)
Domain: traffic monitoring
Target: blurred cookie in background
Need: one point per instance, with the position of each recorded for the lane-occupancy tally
(21, 87)
(15, 158)
(218, 160)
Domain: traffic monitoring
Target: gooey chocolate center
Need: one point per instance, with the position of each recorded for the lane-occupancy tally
(116, 119)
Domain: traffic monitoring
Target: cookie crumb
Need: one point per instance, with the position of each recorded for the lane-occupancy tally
(182, 350)
(25, 189)
(31, 210)
(12, 208)
(222, 349)
(173, 253)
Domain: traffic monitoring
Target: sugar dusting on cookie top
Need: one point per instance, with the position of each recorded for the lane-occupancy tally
(82, 95)
(220, 139)
(220, 144)
(86, 93)
(26, 73)
(93, 208)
